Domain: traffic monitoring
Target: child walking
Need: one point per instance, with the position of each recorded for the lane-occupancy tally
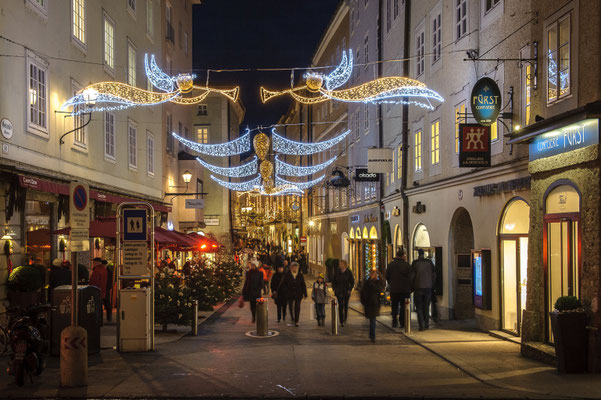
(319, 294)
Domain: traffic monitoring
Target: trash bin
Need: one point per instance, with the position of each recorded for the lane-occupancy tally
(89, 315)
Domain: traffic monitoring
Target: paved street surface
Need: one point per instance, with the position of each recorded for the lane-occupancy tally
(305, 361)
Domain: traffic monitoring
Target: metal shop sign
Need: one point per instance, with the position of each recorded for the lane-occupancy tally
(379, 160)
(492, 189)
(568, 138)
(195, 203)
(474, 145)
(486, 101)
(363, 175)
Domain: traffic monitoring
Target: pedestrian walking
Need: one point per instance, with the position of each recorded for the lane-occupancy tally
(98, 279)
(253, 285)
(108, 299)
(399, 276)
(319, 296)
(267, 273)
(343, 284)
(278, 293)
(425, 276)
(370, 298)
(294, 284)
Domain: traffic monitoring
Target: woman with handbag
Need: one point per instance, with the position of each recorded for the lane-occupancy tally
(253, 285)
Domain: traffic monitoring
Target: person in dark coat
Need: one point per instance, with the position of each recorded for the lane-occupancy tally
(108, 300)
(253, 285)
(293, 283)
(279, 293)
(399, 276)
(343, 283)
(425, 276)
(370, 298)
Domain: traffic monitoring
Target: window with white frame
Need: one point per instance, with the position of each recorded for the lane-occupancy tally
(490, 4)
(149, 19)
(132, 144)
(396, 8)
(494, 131)
(202, 134)
(79, 121)
(202, 110)
(460, 18)
(149, 153)
(459, 119)
(131, 64)
(39, 6)
(169, 130)
(366, 51)
(37, 99)
(527, 93)
(366, 119)
(388, 14)
(131, 6)
(436, 37)
(357, 57)
(418, 150)
(366, 191)
(420, 47)
(356, 124)
(109, 43)
(78, 17)
(558, 59)
(399, 163)
(109, 135)
(435, 143)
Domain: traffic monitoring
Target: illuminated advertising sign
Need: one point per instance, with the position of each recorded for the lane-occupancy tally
(486, 101)
(562, 140)
(481, 274)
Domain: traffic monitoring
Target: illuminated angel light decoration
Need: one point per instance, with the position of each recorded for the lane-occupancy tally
(301, 185)
(564, 78)
(392, 89)
(287, 146)
(283, 168)
(239, 186)
(232, 148)
(240, 171)
(109, 96)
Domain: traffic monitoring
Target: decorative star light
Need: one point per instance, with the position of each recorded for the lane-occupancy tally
(301, 185)
(107, 96)
(283, 168)
(287, 146)
(234, 172)
(392, 89)
(232, 148)
(239, 186)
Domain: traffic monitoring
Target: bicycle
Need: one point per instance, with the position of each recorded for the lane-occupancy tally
(4, 340)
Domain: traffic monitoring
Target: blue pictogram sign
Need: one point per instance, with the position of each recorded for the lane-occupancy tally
(80, 198)
(134, 224)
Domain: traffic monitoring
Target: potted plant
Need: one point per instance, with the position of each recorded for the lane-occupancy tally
(568, 322)
(24, 285)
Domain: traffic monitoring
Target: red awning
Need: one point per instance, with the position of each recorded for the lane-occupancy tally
(39, 237)
(103, 228)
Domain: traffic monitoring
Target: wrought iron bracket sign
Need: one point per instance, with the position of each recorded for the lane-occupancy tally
(474, 145)
(485, 101)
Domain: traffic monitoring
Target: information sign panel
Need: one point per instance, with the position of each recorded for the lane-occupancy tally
(134, 224)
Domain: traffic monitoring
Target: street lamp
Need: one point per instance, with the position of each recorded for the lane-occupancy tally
(90, 96)
(187, 177)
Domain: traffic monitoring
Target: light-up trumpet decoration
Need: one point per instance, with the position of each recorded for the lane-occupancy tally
(392, 89)
(118, 96)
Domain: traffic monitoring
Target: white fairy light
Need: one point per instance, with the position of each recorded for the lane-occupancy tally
(287, 146)
(239, 186)
(341, 74)
(301, 185)
(156, 76)
(236, 146)
(283, 168)
(234, 172)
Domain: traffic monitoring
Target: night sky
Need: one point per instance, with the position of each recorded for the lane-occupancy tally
(258, 34)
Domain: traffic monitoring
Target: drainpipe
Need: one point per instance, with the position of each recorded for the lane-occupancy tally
(405, 129)
(384, 246)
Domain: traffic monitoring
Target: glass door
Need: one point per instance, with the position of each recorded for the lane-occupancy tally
(514, 258)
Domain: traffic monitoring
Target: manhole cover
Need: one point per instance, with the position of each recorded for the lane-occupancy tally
(269, 334)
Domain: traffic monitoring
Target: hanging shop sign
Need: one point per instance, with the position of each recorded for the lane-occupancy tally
(474, 145)
(7, 128)
(79, 216)
(379, 160)
(355, 219)
(396, 211)
(581, 134)
(195, 204)
(363, 175)
(486, 101)
(212, 221)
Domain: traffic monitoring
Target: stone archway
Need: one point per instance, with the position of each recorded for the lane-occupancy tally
(461, 242)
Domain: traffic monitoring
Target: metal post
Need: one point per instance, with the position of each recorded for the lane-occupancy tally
(408, 315)
(74, 284)
(262, 317)
(334, 317)
(195, 319)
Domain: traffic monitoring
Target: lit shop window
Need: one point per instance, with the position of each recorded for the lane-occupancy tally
(435, 143)
(558, 68)
(418, 150)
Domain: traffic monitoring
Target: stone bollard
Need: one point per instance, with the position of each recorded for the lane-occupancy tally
(74, 357)
(408, 315)
(195, 319)
(262, 329)
(334, 318)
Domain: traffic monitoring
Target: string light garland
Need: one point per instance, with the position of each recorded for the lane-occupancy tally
(287, 146)
(233, 172)
(261, 143)
(266, 170)
(301, 185)
(392, 89)
(282, 168)
(232, 148)
(239, 186)
(109, 96)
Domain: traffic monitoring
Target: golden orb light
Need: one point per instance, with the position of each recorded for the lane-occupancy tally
(314, 82)
(185, 83)
(266, 169)
(261, 143)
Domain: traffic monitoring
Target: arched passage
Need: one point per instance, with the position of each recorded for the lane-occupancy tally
(461, 242)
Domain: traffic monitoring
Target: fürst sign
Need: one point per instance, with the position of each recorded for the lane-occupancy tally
(568, 138)
(363, 175)
(79, 216)
(474, 145)
(485, 101)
